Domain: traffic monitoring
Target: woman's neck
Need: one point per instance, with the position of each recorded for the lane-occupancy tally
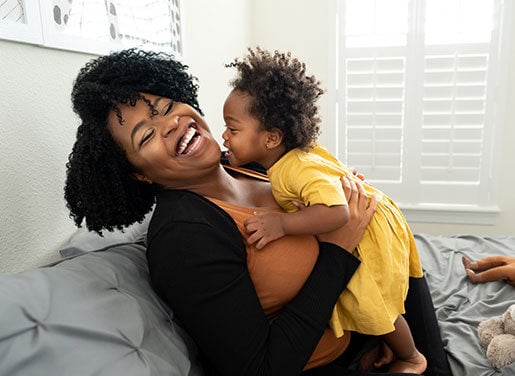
(236, 188)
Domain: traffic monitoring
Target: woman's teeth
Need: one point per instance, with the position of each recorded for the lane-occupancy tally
(186, 139)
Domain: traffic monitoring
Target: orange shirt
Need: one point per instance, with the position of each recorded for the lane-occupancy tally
(278, 271)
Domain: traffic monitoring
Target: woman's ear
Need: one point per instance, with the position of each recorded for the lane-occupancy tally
(274, 138)
(139, 177)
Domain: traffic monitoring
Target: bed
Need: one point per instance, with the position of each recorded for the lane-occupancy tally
(94, 313)
(460, 305)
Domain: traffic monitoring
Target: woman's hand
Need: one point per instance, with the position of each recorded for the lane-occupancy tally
(361, 211)
(357, 174)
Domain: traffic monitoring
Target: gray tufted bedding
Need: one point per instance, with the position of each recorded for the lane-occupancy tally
(94, 312)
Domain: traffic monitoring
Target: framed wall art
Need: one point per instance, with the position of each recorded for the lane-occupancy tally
(20, 21)
(95, 26)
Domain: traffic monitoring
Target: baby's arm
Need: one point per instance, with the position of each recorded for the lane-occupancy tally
(315, 219)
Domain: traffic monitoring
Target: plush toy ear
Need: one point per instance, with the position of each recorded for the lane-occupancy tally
(490, 328)
(501, 350)
(509, 320)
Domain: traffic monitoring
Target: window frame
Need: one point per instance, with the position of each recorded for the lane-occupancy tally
(484, 212)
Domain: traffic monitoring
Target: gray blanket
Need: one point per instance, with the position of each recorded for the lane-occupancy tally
(460, 305)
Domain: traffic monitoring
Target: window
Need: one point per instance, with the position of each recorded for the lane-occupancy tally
(416, 105)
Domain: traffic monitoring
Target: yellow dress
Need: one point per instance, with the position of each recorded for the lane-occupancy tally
(375, 296)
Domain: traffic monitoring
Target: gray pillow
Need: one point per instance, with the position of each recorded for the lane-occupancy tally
(94, 314)
(85, 241)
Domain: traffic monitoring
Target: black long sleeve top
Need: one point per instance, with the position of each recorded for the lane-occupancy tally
(198, 264)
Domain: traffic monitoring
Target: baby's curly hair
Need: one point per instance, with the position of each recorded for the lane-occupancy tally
(282, 95)
(99, 184)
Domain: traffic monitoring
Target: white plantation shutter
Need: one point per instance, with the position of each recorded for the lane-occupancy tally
(416, 108)
(374, 113)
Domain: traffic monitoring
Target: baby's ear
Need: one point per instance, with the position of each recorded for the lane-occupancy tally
(274, 139)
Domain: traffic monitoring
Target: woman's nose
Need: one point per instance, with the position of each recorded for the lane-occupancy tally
(169, 124)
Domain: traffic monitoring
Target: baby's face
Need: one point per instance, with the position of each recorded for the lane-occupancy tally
(245, 139)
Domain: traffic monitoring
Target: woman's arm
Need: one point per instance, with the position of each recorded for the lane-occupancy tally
(199, 267)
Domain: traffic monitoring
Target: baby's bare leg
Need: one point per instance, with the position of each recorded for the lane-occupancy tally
(492, 268)
(408, 358)
(487, 262)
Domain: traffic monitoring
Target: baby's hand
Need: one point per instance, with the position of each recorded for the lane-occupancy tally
(264, 228)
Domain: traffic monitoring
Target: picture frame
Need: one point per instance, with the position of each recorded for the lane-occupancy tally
(20, 21)
(98, 26)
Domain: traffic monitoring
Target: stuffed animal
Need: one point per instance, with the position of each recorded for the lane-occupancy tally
(497, 335)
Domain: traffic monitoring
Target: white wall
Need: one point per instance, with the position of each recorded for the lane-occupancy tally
(37, 126)
(215, 33)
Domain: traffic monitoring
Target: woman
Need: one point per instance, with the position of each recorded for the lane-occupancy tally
(141, 141)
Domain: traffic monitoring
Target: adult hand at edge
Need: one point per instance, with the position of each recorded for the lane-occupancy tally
(361, 210)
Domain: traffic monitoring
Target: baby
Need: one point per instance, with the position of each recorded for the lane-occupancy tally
(492, 268)
(271, 118)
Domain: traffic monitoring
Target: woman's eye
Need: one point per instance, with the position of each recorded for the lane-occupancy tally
(168, 108)
(146, 137)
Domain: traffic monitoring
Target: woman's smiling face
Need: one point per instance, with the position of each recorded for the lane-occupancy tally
(172, 146)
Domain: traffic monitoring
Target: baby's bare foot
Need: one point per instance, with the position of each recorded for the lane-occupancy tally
(472, 265)
(473, 276)
(417, 365)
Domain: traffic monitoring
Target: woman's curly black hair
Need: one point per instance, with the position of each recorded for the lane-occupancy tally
(282, 95)
(99, 185)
